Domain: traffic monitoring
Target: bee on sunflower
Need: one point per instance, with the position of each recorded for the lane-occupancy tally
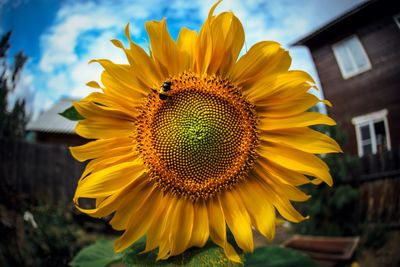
(192, 140)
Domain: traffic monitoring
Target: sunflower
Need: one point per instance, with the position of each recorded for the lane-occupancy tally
(192, 140)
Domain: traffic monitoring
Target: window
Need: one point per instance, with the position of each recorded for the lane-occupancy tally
(397, 19)
(372, 133)
(351, 57)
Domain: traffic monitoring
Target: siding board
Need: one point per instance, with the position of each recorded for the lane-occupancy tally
(373, 90)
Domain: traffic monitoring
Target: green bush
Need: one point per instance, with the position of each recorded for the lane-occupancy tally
(333, 210)
(53, 242)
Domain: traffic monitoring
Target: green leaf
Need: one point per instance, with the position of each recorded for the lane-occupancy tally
(72, 114)
(209, 255)
(100, 254)
(278, 257)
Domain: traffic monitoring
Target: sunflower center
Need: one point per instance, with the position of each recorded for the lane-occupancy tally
(198, 138)
(195, 133)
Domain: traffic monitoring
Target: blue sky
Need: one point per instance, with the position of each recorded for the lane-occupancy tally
(60, 37)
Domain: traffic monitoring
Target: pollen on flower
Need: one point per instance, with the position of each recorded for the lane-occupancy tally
(201, 140)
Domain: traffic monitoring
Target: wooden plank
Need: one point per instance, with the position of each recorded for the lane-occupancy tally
(43, 172)
(380, 201)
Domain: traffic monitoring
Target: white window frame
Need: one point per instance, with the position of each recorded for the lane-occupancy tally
(347, 75)
(370, 119)
(397, 19)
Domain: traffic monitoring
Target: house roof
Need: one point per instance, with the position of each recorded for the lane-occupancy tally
(334, 22)
(51, 122)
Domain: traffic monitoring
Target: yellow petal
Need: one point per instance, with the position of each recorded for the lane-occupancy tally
(237, 219)
(142, 64)
(281, 86)
(94, 84)
(287, 107)
(187, 42)
(303, 139)
(124, 105)
(263, 59)
(117, 43)
(154, 231)
(132, 204)
(99, 200)
(96, 148)
(281, 203)
(234, 41)
(164, 49)
(217, 222)
(286, 209)
(227, 39)
(111, 203)
(108, 181)
(260, 209)
(122, 78)
(92, 110)
(183, 226)
(291, 192)
(165, 230)
(203, 55)
(138, 227)
(283, 174)
(118, 155)
(297, 160)
(104, 128)
(300, 120)
(200, 231)
(218, 229)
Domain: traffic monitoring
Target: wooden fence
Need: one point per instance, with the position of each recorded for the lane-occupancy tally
(40, 172)
(379, 181)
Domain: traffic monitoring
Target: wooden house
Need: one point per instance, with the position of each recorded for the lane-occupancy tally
(357, 57)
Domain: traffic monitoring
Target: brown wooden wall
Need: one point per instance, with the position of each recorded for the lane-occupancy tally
(59, 138)
(379, 183)
(373, 90)
(37, 172)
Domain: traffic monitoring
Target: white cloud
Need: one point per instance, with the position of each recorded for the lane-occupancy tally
(81, 32)
(60, 43)
(42, 102)
(57, 82)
